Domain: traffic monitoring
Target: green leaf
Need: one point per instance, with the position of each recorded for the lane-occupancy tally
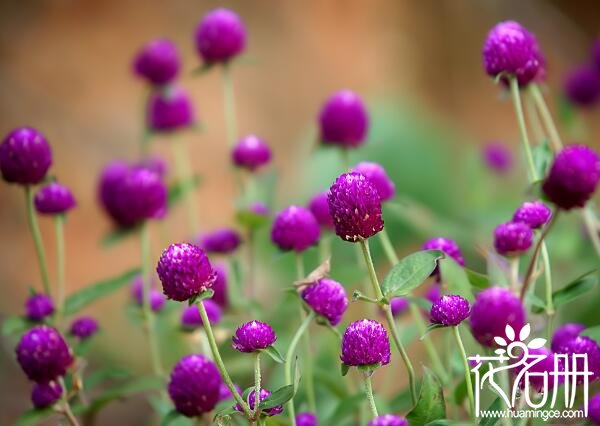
(247, 392)
(542, 157)
(344, 368)
(206, 294)
(576, 288)
(15, 325)
(421, 302)
(430, 328)
(296, 375)
(250, 220)
(410, 272)
(34, 416)
(99, 376)
(117, 235)
(491, 421)
(178, 189)
(440, 422)
(274, 353)
(477, 279)
(456, 278)
(93, 292)
(593, 333)
(430, 405)
(170, 417)
(279, 397)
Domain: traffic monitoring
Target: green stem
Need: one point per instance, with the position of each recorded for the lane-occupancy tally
(345, 153)
(59, 227)
(185, 176)
(514, 274)
(388, 248)
(538, 98)
(37, 239)
(256, 384)
(325, 247)
(516, 97)
(468, 381)
(370, 398)
(66, 408)
(251, 281)
(591, 228)
(229, 105)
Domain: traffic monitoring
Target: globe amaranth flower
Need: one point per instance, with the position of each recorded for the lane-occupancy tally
(450, 310)
(327, 298)
(157, 299)
(582, 86)
(512, 238)
(131, 194)
(534, 214)
(344, 120)
(264, 393)
(259, 208)
(398, 305)
(295, 228)
(510, 49)
(493, 309)
(194, 385)
(54, 198)
(546, 364)
(378, 177)
(388, 420)
(25, 156)
(253, 336)
(43, 354)
(355, 206)
(433, 293)
(84, 327)
(564, 333)
(573, 177)
(220, 36)
(220, 286)
(46, 394)
(319, 207)
(251, 152)
(184, 271)
(581, 345)
(594, 401)
(225, 393)
(190, 316)
(158, 62)
(170, 110)
(497, 156)
(365, 342)
(220, 241)
(446, 245)
(38, 307)
(306, 419)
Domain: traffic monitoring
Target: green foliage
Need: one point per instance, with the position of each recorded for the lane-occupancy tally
(456, 278)
(274, 354)
(495, 406)
(410, 273)
(430, 405)
(34, 416)
(575, 288)
(279, 397)
(15, 325)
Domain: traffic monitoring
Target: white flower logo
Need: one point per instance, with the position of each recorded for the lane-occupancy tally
(512, 342)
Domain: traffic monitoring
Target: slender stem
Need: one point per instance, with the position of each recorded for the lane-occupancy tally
(37, 239)
(388, 248)
(345, 153)
(514, 274)
(370, 398)
(325, 247)
(542, 107)
(591, 228)
(66, 409)
(229, 105)
(256, 384)
(548, 281)
(364, 246)
(468, 381)
(59, 227)
(251, 281)
(184, 175)
(516, 97)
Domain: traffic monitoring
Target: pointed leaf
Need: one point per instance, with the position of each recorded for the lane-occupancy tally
(430, 405)
(274, 353)
(430, 328)
(495, 407)
(456, 278)
(500, 340)
(410, 272)
(477, 279)
(279, 397)
(34, 416)
(510, 332)
(524, 333)
(15, 325)
(576, 288)
(536, 343)
(344, 368)
(247, 392)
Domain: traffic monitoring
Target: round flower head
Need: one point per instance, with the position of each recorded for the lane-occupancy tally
(157, 299)
(306, 419)
(355, 207)
(170, 110)
(184, 271)
(545, 365)
(344, 120)
(398, 305)
(388, 420)
(534, 214)
(446, 245)
(449, 310)
(295, 228)
(365, 342)
(564, 333)
(512, 238)
(582, 86)
(253, 336)
(497, 157)
(194, 385)
(43, 354)
(251, 152)
(25, 156)
(433, 293)
(38, 307)
(319, 207)
(264, 393)
(157, 62)
(327, 298)
(221, 241)
(190, 316)
(54, 198)
(512, 50)
(378, 177)
(225, 394)
(84, 327)
(583, 345)
(594, 401)
(46, 394)
(573, 177)
(259, 208)
(493, 309)
(220, 36)
(220, 297)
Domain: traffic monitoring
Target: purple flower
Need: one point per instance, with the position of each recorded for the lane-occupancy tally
(251, 152)
(433, 293)
(378, 177)
(344, 120)
(84, 327)
(327, 298)
(195, 385)
(220, 36)
(582, 86)
(264, 393)
(25, 156)
(446, 245)
(46, 394)
(594, 401)
(38, 307)
(388, 420)
(221, 241)
(43, 354)
(225, 393)
(573, 177)
(319, 207)
(157, 62)
(450, 310)
(295, 228)
(190, 316)
(512, 50)
(157, 299)
(306, 419)
(54, 198)
(534, 214)
(399, 305)
(170, 110)
(493, 309)
(564, 333)
(512, 238)
(355, 206)
(259, 208)
(184, 271)
(583, 345)
(497, 156)
(545, 365)
(155, 164)
(253, 336)
(220, 297)
(365, 342)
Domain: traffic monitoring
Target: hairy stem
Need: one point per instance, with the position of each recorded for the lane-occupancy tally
(516, 97)
(66, 407)
(388, 248)
(544, 111)
(370, 398)
(37, 239)
(256, 384)
(468, 381)
(59, 228)
(185, 176)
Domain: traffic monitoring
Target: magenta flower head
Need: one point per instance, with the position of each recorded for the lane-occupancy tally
(225, 394)
(398, 305)
(221, 241)
(295, 228)
(564, 333)
(594, 401)
(534, 214)
(344, 120)
(493, 309)
(253, 336)
(157, 299)
(170, 110)
(497, 156)
(545, 365)
(251, 152)
(46, 394)
(582, 86)
(194, 385)
(43, 354)
(365, 342)
(450, 310)
(190, 316)
(54, 198)
(319, 207)
(388, 420)
(581, 345)
(355, 206)
(378, 177)
(25, 156)
(446, 245)
(220, 36)
(512, 238)
(327, 298)
(84, 327)
(573, 177)
(184, 271)
(220, 286)
(38, 307)
(259, 209)
(264, 393)
(306, 419)
(157, 62)
(510, 49)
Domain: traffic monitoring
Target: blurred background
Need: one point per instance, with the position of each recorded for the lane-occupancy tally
(66, 70)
